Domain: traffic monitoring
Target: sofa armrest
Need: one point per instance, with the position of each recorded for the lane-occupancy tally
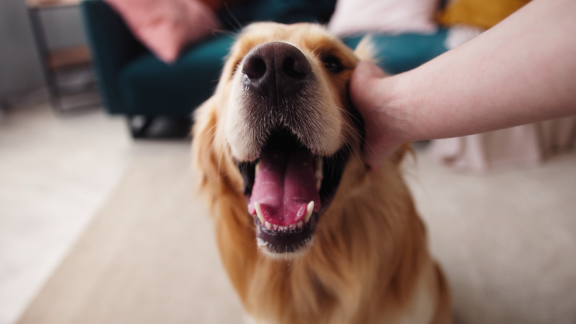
(112, 46)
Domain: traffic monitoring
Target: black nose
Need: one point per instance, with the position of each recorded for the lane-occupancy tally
(275, 71)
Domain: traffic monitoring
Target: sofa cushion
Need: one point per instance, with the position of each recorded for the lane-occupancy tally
(151, 87)
(400, 53)
(166, 27)
(354, 17)
(481, 13)
(282, 11)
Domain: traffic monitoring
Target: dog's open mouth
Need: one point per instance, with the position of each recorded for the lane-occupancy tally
(287, 189)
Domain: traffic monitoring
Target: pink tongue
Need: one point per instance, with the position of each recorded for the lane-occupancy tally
(284, 186)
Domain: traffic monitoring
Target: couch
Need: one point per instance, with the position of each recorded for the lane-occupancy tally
(136, 84)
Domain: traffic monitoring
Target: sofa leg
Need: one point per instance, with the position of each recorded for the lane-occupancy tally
(139, 125)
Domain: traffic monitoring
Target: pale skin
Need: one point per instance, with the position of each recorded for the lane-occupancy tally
(521, 71)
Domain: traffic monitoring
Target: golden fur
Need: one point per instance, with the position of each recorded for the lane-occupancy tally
(369, 262)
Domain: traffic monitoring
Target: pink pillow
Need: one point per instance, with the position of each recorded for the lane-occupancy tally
(166, 26)
(383, 16)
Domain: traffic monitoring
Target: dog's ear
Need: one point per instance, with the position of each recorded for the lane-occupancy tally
(365, 50)
(400, 153)
(203, 134)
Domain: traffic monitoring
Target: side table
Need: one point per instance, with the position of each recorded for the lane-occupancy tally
(60, 60)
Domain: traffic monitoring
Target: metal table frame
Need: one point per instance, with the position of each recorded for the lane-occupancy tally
(50, 75)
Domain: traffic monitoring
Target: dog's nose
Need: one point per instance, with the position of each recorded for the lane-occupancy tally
(275, 71)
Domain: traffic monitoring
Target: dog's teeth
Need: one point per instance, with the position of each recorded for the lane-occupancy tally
(268, 225)
(275, 226)
(318, 163)
(292, 227)
(283, 228)
(309, 210)
(259, 212)
(300, 224)
(318, 167)
(257, 168)
(318, 172)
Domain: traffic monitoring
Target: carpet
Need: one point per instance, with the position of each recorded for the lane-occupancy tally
(507, 242)
(149, 256)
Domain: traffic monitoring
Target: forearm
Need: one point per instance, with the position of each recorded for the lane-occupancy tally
(521, 71)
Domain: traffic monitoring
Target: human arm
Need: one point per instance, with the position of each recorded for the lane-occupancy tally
(520, 71)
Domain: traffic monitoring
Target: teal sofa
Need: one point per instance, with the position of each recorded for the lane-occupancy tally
(134, 83)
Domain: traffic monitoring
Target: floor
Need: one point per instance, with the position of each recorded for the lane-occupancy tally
(55, 172)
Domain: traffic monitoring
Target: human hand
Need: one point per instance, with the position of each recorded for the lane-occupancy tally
(385, 129)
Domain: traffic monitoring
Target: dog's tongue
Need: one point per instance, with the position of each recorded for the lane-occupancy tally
(284, 185)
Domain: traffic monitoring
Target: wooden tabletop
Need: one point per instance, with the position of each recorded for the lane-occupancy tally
(68, 57)
(51, 3)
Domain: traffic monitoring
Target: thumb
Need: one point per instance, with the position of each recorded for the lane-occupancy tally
(361, 80)
(368, 70)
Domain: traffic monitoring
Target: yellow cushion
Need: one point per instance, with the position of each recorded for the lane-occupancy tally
(482, 13)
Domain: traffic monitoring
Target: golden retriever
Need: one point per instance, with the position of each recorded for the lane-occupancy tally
(305, 233)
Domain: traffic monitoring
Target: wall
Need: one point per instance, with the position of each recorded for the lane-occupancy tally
(20, 69)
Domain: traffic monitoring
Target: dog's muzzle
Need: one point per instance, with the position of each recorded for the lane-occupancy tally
(275, 72)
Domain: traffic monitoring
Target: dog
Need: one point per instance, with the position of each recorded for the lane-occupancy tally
(305, 232)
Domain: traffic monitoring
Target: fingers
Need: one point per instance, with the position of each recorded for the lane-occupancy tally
(374, 156)
(379, 145)
(366, 94)
(370, 154)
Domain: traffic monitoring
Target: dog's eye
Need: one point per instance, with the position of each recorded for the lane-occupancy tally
(332, 64)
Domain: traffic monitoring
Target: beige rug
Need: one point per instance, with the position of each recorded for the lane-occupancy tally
(149, 256)
(507, 242)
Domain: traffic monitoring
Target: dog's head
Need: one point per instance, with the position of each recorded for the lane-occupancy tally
(280, 130)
